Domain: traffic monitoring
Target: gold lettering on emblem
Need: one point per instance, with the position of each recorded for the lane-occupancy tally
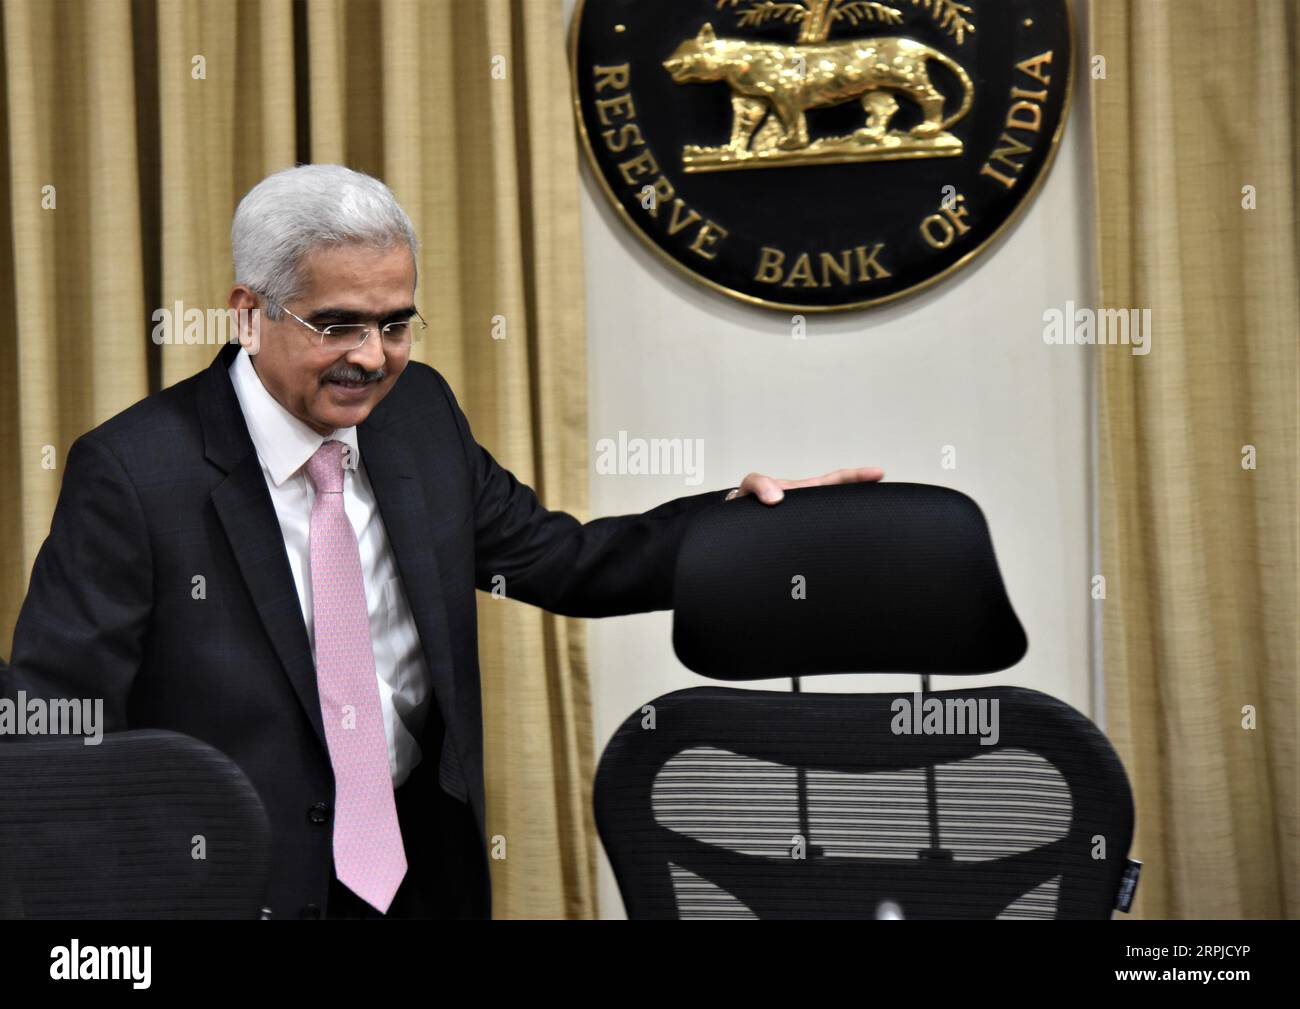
(801, 272)
(1003, 155)
(836, 267)
(643, 164)
(604, 105)
(709, 235)
(1015, 120)
(664, 192)
(940, 229)
(676, 224)
(1034, 65)
(869, 262)
(628, 135)
(841, 267)
(769, 266)
(1024, 114)
(612, 77)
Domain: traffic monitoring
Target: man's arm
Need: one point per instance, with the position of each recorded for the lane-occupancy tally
(81, 629)
(606, 567)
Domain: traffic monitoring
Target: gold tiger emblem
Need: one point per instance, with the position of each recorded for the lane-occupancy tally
(774, 85)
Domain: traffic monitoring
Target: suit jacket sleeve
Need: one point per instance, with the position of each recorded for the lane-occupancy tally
(605, 567)
(82, 626)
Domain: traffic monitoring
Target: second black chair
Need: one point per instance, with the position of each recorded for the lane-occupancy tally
(987, 803)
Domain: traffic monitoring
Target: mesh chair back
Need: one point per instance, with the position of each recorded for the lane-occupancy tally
(112, 830)
(702, 802)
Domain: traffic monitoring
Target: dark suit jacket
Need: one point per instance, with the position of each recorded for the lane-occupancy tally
(172, 488)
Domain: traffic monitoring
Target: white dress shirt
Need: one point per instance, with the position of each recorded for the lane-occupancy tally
(284, 444)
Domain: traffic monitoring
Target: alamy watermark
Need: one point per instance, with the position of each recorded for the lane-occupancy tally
(1127, 327)
(75, 962)
(652, 457)
(61, 716)
(199, 326)
(946, 716)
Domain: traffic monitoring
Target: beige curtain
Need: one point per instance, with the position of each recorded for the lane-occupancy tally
(1198, 119)
(149, 120)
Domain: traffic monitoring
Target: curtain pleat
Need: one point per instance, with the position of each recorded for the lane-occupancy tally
(219, 134)
(1198, 111)
(75, 354)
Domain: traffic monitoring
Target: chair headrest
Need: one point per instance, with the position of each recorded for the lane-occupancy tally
(853, 578)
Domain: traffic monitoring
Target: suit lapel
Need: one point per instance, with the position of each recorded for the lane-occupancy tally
(243, 504)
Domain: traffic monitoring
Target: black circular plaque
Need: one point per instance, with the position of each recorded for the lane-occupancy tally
(820, 155)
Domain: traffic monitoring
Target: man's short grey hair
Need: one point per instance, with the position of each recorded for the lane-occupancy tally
(296, 210)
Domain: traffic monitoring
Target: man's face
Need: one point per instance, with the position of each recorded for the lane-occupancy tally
(323, 387)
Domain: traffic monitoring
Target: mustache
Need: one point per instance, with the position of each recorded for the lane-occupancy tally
(352, 373)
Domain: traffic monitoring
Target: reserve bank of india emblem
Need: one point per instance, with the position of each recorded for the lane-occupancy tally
(821, 154)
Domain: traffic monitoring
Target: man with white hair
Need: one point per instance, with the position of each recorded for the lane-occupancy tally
(332, 497)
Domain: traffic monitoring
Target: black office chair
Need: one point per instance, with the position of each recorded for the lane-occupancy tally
(113, 830)
(720, 802)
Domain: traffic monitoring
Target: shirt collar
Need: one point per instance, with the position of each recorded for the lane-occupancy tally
(283, 442)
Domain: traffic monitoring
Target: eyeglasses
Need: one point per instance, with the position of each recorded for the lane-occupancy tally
(351, 335)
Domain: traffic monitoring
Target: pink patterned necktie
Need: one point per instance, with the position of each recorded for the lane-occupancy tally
(368, 854)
